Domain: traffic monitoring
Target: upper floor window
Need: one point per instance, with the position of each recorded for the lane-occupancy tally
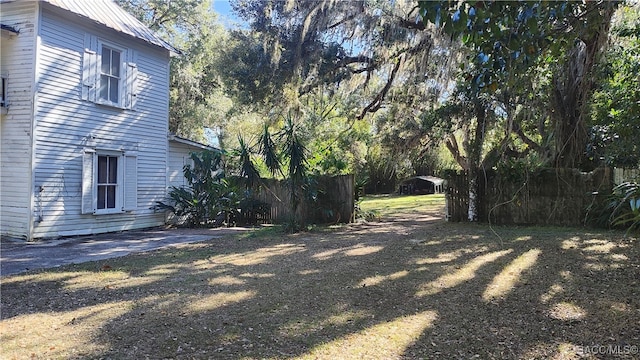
(109, 74)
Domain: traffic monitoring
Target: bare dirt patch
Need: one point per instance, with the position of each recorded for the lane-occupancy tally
(411, 286)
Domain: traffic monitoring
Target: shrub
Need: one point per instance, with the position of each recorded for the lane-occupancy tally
(208, 199)
(623, 207)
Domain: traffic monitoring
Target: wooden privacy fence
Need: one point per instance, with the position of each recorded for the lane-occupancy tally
(621, 175)
(333, 201)
(544, 197)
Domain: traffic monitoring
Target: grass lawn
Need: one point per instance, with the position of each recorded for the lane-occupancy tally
(396, 206)
(407, 287)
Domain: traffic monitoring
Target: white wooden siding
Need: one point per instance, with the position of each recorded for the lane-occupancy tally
(17, 56)
(179, 156)
(67, 125)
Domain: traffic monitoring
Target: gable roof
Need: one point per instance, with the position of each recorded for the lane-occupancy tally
(109, 14)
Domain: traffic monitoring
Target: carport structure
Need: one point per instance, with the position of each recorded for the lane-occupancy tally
(422, 185)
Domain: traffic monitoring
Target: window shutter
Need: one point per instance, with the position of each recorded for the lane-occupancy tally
(88, 188)
(130, 192)
(131, 82)
(89, 68)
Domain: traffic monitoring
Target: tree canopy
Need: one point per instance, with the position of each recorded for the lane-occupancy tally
(418, 85)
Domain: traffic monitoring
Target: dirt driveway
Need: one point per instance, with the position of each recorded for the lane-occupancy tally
(408, 287)
(20, 256)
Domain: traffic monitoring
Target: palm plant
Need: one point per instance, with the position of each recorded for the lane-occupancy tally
(295, 152)
(269, 152)
(250, 207)
(292, 156)
(624, 206)
(247, 168)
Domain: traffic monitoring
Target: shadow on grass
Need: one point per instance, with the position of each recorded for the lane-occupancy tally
(409, 287)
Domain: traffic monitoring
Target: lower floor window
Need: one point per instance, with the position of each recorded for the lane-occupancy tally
(107, 182)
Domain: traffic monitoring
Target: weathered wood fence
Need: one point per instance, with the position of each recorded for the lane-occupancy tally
(545, 197)
(621, 175)
(333, 202)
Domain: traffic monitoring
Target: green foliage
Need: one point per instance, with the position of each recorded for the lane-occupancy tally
(295, 153)
(294, 150)
(248, 169)
(168, 18)
(286, 155)
(247, 71)
(615, 125)
(624, 206)
(269, 152)
(508, 37)
(197, 98)
(380, 171)
(337, 140)
(366, 215)
(287, 52)
(208, 199)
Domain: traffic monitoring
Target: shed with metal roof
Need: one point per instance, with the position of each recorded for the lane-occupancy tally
(422, 185)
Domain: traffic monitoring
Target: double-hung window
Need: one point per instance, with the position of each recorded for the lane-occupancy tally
(109, 181)
(107, 185)
(109, 74)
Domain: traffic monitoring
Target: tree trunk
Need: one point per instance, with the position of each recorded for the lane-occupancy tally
(571, 89)
(474, 152)
(573, 86)
(473, 196)
(472, 145)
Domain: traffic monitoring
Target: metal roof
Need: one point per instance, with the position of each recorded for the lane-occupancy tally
(109, 14)
(433, 179)
(176, 138)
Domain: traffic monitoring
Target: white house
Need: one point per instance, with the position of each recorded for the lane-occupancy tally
(83, 132)
(180, 150)
(179, 155)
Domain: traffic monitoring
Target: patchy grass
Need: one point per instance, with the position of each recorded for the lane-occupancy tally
(395, 205)
(408, 287)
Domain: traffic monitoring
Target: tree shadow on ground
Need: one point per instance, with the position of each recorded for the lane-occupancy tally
(409, 287)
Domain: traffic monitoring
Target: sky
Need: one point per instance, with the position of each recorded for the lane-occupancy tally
(223, 8)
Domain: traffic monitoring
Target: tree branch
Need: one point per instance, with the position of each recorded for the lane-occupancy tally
(355, 60)
(364, 69)
(348, 18)
(452, 144)
(517, 129)
(412, 25)
(377, 102)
